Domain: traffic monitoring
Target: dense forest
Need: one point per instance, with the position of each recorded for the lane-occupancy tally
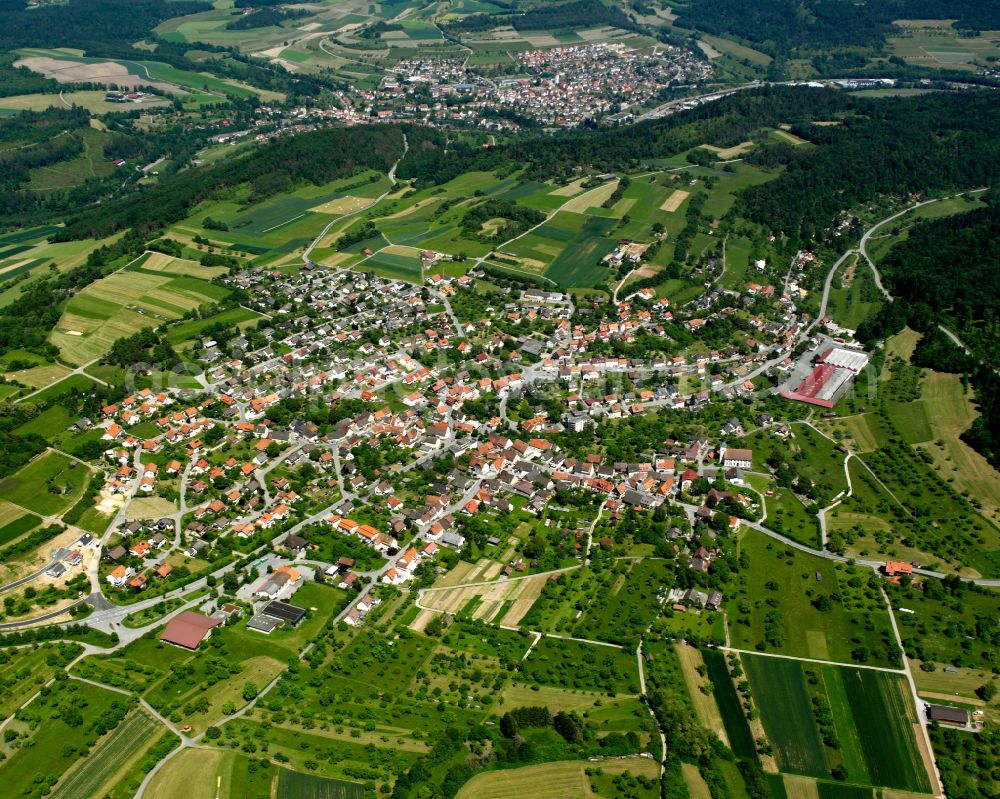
(781, 27)
(906, 146)
(953, 266)
(87, 24)
(947, 271)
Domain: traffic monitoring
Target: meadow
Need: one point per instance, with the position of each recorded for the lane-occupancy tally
(778, 609)
(48, 485)
(24, 671)
(99, 768)
(61, 728)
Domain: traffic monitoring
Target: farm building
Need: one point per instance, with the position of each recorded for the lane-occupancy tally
(189, 629)
(948, 714)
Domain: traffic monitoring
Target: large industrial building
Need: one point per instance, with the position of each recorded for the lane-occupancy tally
(832, 376)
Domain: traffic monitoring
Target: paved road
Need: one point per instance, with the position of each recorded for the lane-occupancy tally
(919, 705)
(29, 578)
(372, 204)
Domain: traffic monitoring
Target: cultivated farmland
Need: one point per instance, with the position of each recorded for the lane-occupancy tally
(737, 729)
(780, 692)
(821, 719)
(95, 771)
(295, 785)
(128, 301)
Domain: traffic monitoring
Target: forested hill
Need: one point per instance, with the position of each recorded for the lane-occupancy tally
(314, 157)
(728, 121)
(780, 27)
(948, 271)
(86, 24)
(953, 266)
(911, 145)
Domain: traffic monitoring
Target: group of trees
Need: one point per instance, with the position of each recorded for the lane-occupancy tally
(517, 219)
(145, 348)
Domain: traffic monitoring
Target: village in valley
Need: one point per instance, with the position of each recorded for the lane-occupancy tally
(502, 480)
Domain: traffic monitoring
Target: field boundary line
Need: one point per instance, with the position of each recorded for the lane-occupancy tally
(886, 669)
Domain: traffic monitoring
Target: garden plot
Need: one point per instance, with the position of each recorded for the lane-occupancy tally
(512, 598)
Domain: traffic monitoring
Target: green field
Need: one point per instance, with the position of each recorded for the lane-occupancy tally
(622, 613)
(98, 768)
(779, 689)
(738, 731)
(18, 527)
(296, 785)
(47, 486)
(885, 717)
(869, 718)
(395, 266)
